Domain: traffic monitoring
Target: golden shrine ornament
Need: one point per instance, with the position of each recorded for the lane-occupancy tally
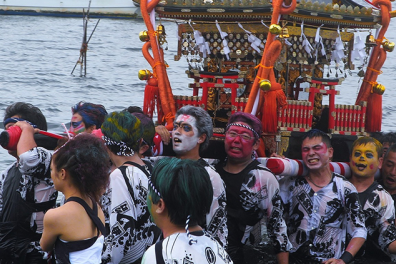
(379, 89)
(265, 85)
(144, 36)
(275, 29)
(388, 46)
(161, 29)
(144, 74)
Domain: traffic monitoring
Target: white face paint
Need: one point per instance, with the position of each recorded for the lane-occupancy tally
(184, 134)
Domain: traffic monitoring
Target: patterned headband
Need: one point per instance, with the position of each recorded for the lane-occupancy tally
(153, 187)
(123, 146)
(244, 126)
(190, 238)
(16, 119)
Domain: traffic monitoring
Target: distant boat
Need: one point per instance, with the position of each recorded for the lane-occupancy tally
(70, 8)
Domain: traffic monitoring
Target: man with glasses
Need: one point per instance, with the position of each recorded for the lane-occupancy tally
(252, 190)
(191, 133)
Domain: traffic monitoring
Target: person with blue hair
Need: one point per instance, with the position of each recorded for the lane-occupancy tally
(180, 196)
(86, 117)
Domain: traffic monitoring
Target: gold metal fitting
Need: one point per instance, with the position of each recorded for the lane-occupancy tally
(284, 33)
(388, 46)
(378, 89)
(275, 29)
(161, 30)
(144, 36)
(265, 85)
(144, 74)
(370, 41)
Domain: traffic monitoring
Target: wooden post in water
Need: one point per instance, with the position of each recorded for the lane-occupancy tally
(82, 60)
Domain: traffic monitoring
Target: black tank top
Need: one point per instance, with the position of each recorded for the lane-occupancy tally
(63, 249)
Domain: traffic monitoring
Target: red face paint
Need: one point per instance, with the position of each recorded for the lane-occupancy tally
(238, 148)
(315, 153)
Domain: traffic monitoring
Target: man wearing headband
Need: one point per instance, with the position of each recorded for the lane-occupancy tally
(86, 117)
(124, 203)
(180, 196)
(252, 190)
(322, 209)
(26, 188)
(191, 133)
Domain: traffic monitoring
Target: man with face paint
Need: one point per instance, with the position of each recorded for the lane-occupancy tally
(322, 209)
(252, 190)
(192, 130)
(378, 205)
(86, 117)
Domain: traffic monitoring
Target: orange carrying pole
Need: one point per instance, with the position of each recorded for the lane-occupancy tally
(270, 101)
(157, 63)
(377, 59)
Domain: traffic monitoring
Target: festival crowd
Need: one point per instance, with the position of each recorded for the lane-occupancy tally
(104, 193)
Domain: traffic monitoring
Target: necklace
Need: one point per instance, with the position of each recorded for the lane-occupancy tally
(309, 179)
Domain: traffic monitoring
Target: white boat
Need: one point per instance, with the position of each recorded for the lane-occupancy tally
(70, 8)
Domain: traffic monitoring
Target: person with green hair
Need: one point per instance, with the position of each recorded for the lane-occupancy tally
(124, 203)
(180, 196)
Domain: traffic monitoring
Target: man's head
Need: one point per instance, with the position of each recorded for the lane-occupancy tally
(192, 130)
(366, 157)
(26, 112)
(242, 136)
(180, 188)
(388, 170)
(316, 149)
(148, 128)
(87, 117)
(122, 133)
(387, 140)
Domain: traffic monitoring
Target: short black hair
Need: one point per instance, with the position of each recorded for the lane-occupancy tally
(392, 148)
(313, 133)
(28, 112)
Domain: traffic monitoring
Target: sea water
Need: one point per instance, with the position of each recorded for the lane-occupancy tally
(38, 54)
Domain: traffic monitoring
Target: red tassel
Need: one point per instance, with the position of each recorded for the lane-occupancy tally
(274, 99)
(151, 97)
(374, 113)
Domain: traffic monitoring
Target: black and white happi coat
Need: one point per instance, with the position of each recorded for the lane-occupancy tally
(35, 187)
(176, 249)
(131, 230)
(216, 219)
(319, 221)
(252, 196)
(379, 212)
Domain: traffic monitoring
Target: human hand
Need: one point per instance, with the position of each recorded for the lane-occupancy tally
(275, 155)
(164, 133)
(333, 261)
(25, 126)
